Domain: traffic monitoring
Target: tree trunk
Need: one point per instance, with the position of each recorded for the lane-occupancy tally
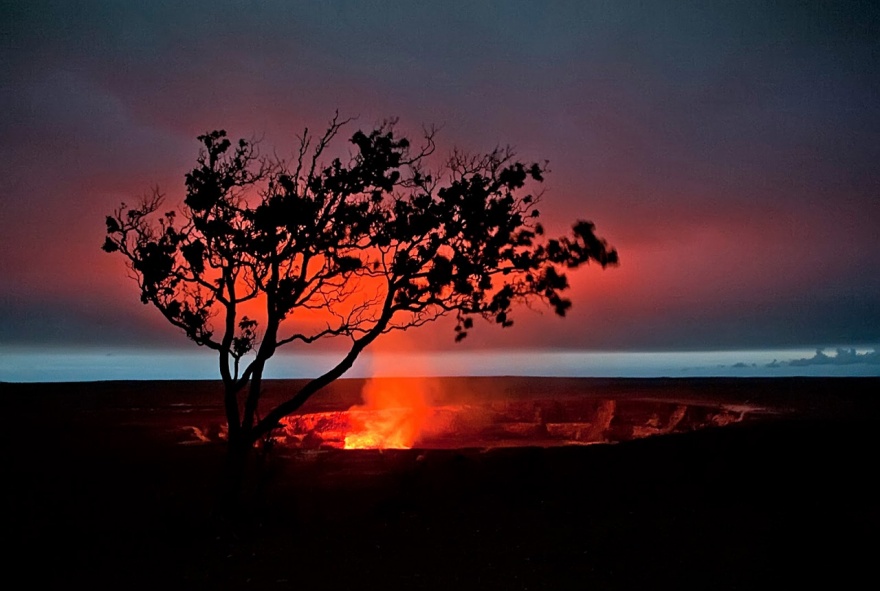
(238, 453)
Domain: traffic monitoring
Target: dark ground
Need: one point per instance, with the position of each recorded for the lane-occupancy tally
(98, 491)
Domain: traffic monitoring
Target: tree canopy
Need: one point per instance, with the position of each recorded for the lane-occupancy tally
(264, 253)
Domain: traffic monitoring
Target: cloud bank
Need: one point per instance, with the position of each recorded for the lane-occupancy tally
(842, 356)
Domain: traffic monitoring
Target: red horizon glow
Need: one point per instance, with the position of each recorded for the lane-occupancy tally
(730, 162)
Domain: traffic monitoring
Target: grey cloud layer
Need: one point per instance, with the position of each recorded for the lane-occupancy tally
(747, 133)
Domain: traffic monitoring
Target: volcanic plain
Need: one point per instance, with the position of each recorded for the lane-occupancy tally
(500, 483)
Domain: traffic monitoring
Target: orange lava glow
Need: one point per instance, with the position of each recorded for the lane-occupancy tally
(404, 413)
(394, 413)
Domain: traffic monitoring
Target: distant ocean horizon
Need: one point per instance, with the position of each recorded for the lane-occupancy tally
(99, 364)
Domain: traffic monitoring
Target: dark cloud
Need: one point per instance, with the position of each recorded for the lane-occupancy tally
(842, 357)
(727, 149)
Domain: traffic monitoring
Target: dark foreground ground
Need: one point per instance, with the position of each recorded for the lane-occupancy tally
(99, 490)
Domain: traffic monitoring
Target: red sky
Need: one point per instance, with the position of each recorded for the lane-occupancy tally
(728, 153)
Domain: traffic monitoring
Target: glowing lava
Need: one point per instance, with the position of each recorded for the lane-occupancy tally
(392, 417)
(399, 414)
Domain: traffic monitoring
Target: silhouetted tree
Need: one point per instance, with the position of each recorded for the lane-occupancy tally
(349, 249)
